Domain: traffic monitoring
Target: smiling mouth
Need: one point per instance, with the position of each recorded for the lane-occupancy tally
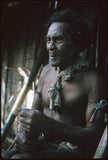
(52, 57)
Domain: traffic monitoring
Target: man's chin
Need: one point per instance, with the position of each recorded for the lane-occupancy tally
(54, 64)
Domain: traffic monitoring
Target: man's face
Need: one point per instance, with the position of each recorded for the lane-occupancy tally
(59, 44)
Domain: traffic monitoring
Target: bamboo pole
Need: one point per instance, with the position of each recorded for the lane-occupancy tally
(97, 44)
(20, 98)
(14, 111)
(102, 146)
(24, 90)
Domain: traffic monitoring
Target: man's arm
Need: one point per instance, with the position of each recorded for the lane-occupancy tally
(93, 130)
(29, 130)
(37, 101)
(74, 134)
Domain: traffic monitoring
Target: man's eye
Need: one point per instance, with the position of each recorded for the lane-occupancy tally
(58, 39)
(47, 40)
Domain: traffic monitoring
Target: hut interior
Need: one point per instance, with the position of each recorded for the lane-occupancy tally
(22, 37)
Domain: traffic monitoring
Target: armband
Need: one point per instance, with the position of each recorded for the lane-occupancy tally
(102, 103)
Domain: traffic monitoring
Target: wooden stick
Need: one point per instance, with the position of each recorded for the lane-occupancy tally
(93, 116)
(20, 98)
(11, 146)
(102, 145)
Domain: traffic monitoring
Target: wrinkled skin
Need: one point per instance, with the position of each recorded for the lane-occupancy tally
(60, 46)
(30, 119)
(73, 123)
(23, 143)
(26, 139)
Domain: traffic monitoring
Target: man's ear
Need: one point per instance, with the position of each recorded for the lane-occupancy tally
(75, 47)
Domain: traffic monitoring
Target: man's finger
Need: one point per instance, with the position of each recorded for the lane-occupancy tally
(26, 121)
(25, 112)
(26, 128)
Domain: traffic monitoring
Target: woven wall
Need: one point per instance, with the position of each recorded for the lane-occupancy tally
(21, 36)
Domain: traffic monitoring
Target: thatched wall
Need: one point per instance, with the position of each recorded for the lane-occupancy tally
(22, 29)
(21, 34)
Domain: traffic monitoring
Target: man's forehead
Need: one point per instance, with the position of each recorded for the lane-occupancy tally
(57, 28)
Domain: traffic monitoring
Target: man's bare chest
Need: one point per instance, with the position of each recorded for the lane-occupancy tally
(72, 97)
(72, 92)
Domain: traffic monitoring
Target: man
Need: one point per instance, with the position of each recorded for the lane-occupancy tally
(59, 125)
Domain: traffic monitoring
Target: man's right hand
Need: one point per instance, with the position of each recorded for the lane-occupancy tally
(24, 144)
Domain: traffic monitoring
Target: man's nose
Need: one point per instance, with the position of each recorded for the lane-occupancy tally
(51, 45)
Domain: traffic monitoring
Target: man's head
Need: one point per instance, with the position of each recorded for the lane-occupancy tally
(67, 35)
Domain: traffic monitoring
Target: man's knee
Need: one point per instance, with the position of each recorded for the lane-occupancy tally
(21, 156)
(8, 154)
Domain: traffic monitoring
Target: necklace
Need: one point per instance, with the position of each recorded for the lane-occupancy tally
(54, 91)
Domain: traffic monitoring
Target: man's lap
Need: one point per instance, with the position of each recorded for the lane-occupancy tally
(46, 154)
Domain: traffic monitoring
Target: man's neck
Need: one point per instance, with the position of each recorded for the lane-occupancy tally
(68, 63)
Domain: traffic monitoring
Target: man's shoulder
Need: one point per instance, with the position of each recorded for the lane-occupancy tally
(46, 69)
(89, 75)
(93, 78)
(93, 73)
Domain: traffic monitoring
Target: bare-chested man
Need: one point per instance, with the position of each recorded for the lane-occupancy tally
(59, 124)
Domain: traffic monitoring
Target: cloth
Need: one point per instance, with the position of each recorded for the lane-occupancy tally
(51, 153)
(45, 154)
(47, 150)
(58, 144)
